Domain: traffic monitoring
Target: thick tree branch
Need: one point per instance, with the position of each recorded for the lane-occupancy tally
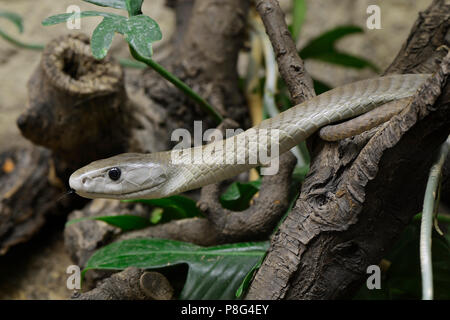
(362, 191)
(259, 220)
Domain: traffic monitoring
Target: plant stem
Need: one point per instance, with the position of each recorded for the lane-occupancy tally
(179, 84)
(19, 43)
(429, 206)
(128, 63)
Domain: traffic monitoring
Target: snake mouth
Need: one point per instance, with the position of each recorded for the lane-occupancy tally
(122, 196)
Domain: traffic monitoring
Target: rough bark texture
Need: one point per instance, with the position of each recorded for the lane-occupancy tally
(70, 85)
(30, 172)
(290, 64)
(130, 284)
(362, 191)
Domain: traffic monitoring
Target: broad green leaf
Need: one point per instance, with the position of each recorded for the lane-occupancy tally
(299, 14)
(346, 60)
(102, 38)
(214, 272)
(117, 4)
(140, 31)
(14, 18)
(63, 17)
(248, 278)
(238, 195)
(326, 41)
(134, 7)
(323, 48)
(175, 207)
(124, 222)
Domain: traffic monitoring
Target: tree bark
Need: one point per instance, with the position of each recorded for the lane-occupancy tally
(362, 191)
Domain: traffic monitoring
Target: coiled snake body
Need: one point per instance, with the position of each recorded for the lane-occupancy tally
(161, 174)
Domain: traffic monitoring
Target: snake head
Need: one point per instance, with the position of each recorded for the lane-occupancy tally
(125, 176)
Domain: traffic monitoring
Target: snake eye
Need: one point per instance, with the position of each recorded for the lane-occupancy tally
(114, 173)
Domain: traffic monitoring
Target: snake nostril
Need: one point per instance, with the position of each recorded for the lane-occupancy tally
(83, 181)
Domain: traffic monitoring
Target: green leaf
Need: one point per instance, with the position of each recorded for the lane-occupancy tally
(134, 7)
(238, 195)
(140, 31)
(248, 278)
(175, 207)
(124, 222)
(63, 17)
(299, 14)
(14, 18)
(323, 48)
(300, 173)
(102, 38)
(117, 4)
(214, 272)
(326, 41)
(346, 60)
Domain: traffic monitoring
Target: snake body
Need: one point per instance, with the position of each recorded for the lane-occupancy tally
(162, 174)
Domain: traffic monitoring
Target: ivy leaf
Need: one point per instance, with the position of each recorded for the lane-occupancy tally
(14, 18)
(124, 222)
(140, 31)
(63, 17)
(117, 4)
(102, 38)
(214, 272)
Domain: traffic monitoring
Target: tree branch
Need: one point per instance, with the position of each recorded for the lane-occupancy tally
(290, 64)
(362, 191)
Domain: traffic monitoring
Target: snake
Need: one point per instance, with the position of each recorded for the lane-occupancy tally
(167, 173)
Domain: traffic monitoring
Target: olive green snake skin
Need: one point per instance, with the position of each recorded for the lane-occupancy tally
(161, 174)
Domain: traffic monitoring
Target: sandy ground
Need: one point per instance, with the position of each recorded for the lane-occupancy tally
(38, 270)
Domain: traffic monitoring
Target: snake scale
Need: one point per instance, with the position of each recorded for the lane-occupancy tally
(161, 174)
